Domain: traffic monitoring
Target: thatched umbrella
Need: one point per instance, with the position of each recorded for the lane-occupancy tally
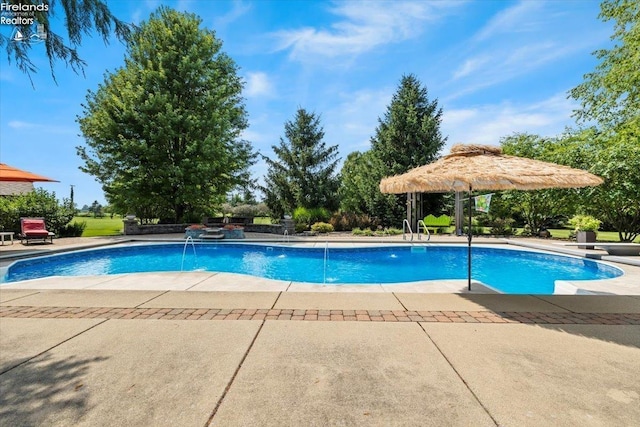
(484, 167)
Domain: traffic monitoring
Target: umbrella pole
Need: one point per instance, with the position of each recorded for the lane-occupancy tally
(470, 234)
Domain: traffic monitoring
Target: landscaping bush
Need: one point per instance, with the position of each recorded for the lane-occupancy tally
(346, 221)
(476, 229)
(360, 232)
(319, 215)
(322, 227)
(393, 231)
(585, 223)
(35, 204)
(526, 231)
(244, 210)
(304, 217)
(502, 227)
(74, 229)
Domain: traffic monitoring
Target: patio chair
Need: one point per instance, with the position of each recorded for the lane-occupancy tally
(34, 229)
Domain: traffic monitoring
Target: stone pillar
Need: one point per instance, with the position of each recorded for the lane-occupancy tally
(131, 227)
(289, 226)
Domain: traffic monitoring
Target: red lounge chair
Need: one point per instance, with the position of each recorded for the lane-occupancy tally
(34, 229)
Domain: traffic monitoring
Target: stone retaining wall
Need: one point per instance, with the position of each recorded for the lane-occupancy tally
(132, 227)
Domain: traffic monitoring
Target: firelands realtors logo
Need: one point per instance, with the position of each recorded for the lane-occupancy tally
(21, 16)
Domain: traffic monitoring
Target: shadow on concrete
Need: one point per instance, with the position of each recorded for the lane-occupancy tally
(626, 335)
(33, 392)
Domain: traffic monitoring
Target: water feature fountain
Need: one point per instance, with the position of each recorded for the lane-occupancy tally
(184, 252)
(326, 259)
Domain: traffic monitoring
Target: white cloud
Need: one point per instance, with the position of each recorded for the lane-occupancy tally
(512, 20)
(490, 68)
(258, 84)
(17, 124)
(362, 27)
(470, 66)
(239, 9)
(487, 124)
(519, 41)
(41, 128)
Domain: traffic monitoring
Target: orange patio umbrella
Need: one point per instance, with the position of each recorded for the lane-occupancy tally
(9, 173)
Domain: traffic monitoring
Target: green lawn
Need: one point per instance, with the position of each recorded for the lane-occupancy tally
(603, 236)
(563, 233)
(104, 226)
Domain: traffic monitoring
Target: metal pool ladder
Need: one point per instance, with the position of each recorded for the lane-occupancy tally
(406, 226)
(423, 225)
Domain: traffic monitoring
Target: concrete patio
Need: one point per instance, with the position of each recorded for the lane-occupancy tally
(177, 349)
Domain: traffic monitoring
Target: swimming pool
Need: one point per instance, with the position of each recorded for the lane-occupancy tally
(506, 270)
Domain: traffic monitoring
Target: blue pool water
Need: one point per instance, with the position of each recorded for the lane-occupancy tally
(509, 271)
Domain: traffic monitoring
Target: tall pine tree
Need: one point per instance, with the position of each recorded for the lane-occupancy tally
(303, 172)
(407, 136)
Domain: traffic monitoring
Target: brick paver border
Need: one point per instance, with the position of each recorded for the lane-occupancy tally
(321, 315)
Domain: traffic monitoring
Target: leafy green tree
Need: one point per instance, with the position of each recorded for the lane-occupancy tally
(611, 93)
(359, 193)
(616, 159)
(617, 200)
(80, 17)
(539, 208)
(610, 96)
(163, 131)
(406, 137)
(96, 209)
(303, 172)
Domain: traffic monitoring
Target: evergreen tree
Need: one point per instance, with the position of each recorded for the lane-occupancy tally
(407, 137)
(359, 193)
(163, 131)
(409, 134)
(303, 174)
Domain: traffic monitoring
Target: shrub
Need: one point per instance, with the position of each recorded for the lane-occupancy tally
(585, 223)
(502, 227)
(393, 231)
(302, 215)
(477, 230)
(35, 204)
(322, 227)
(346, 221)
(319, 215)
(74, 229)
(360, 232)
(356, 231)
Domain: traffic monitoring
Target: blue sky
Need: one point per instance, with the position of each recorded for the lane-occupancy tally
(496, 67)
